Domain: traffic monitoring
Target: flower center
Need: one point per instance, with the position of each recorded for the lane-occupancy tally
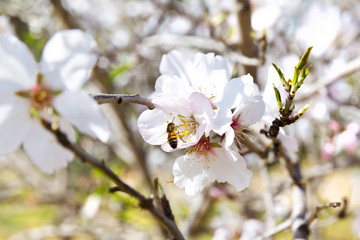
(239, 131)
(187, 127)
(40, 96)
(202, 149)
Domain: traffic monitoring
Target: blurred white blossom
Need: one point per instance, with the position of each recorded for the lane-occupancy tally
(52, 92)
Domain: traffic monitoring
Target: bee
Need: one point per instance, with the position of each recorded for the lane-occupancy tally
(172, 131)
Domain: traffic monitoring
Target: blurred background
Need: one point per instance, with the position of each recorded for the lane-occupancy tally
(132, 36)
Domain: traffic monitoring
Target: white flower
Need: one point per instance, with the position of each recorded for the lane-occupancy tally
(250, 109)
(192, 116)
(198, 96)
(207, 162)
(209, 75)
(26, 94)
(205, 73)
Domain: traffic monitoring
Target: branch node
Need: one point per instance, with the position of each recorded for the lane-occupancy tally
(146, 203)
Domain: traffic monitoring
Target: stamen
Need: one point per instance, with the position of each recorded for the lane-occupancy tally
(239, 131)
(202, 149)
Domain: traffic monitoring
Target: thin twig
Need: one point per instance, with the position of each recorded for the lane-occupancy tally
(102, 98)
(314, 214)
(144, 203)
(299, 203)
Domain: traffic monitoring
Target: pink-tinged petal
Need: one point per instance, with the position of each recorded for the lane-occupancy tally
(83, 112)
(251, 111)
(189, 174)
(233, 93)
(152, 126)
(202, 110)
(68, 59)
(15, 121)
(44, 150)
(175, 63)
(225, 169)
(17, 64)
(289, 143)
(173, 85)
(172, 104)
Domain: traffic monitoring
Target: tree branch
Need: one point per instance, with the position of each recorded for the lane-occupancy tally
(102, 98)
(144, 203)
(316, 212)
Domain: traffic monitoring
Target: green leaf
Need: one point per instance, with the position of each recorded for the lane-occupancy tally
(304, 74)
(304, 59)
(278, 98)
(281, 75)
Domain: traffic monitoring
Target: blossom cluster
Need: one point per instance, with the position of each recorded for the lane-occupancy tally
(209, 114)
(198, 108)
(50, 91)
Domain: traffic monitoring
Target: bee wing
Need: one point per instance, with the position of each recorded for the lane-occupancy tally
(162, 138)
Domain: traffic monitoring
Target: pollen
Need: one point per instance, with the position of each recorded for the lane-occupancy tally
(186, 128)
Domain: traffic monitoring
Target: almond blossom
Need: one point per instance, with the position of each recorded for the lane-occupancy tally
(198, 95)
(207, 162)
(193, 116)
(51, 92)
(209, 75)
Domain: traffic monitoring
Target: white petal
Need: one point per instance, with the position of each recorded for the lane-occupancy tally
(233, 93)
(14, 118)
(250, 89)
(211, 74)
(189, 174)
(251, 111)
(68, 59)
(229, 138)
(84, 113)
(17, 64)
(201, 109)
(224, 169)
(152, 126)
(174, 85)
(175, 63)
(222, 121)
(44, 150)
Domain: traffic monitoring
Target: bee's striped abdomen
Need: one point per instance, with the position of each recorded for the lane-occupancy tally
(172, 139)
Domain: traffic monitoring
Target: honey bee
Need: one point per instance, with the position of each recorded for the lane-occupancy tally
(172, 131)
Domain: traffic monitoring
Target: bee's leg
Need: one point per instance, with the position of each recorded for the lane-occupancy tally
(181, 138)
